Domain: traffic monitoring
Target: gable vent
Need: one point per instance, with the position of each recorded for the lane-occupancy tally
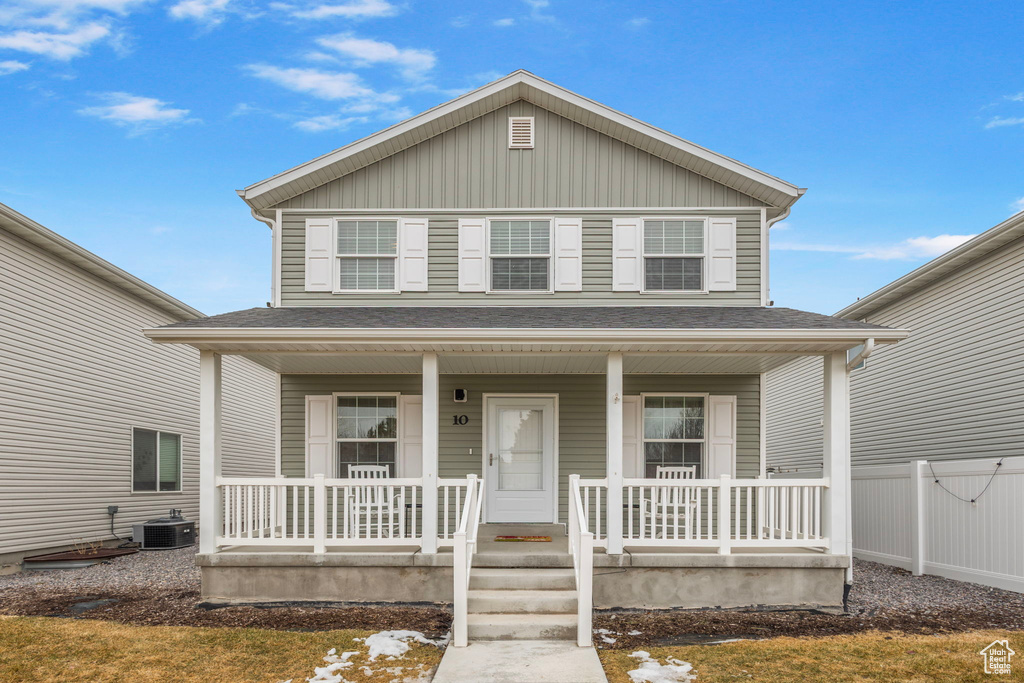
(520, 132)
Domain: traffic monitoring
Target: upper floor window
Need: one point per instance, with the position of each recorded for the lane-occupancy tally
(367, 255)
(520, 254)
(674, 253)
(156, 460)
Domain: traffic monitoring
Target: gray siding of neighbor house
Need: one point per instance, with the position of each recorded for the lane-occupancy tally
(951, 391)
(471, 166)
(581, 428)
(443, 269)
(76, 374)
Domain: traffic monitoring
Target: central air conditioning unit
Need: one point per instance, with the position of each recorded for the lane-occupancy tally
(165, 533)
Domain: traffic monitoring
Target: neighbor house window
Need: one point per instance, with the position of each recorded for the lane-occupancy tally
(367, 432)
(156, 460)
(673, 433)
(367, 252)
(520, 254)
(674, 255)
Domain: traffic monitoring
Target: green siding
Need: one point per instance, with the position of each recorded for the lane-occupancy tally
(471, 166)
(581, 425)
(443, 275)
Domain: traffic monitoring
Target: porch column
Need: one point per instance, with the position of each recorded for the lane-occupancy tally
(430, 423)
(836, 461)
(613, 450)
(211, 510)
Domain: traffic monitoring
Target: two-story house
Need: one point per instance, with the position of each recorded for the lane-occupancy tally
(523, 313)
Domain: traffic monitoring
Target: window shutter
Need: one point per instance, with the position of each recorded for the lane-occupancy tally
(319, 435)
(319, 254)
(722, 253)
(412, 258)
(568, 253)
(632, 443)
(627, 254)
(721, 436)
(410, 421)
(472, 255)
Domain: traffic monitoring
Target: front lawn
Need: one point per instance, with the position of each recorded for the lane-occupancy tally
(54, 649)
(870, 656)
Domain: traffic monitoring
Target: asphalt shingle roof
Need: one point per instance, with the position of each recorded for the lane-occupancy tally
(526, 317)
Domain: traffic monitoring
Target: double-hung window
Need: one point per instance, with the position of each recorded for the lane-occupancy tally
(674, 432)
(367, 255)
(156, 461)
(520, 255)
(367, 432)
(674, 255)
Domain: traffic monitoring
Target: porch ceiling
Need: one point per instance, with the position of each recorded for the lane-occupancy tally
(553, 363)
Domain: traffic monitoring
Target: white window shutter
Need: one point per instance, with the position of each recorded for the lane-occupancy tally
(721, 436)
(412, 258)
(410, 420)
(472, 255)
(627, 254)
(722, 253)
(632, 441)
(319, 254)
(568, 254)
(319, 435)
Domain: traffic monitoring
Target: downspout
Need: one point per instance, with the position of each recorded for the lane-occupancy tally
(275, 253)
(767, 230)
(869, 346)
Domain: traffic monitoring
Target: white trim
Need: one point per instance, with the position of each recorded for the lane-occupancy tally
(277, 425)
(181, 457)
(617, 210)
(762, 427)
(507, 83)
(554, 465)
(488, 257)
(642, 438)
(765, 249)
(336, 257)
(276, 253)
(703, 256)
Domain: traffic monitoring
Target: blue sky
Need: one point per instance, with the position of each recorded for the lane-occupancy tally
(126, 125)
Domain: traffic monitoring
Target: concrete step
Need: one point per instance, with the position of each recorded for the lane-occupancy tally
(484, 578)
(523, 601)
(526, 559)
(521, 626)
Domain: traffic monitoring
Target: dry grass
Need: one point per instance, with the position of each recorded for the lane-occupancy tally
(48, 649)
(869, 656)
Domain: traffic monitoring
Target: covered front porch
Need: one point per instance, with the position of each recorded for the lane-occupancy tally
(640, 449)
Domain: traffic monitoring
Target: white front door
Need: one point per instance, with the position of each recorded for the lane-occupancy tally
(520, 459)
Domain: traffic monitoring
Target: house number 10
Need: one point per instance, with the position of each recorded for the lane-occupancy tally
(460, 419)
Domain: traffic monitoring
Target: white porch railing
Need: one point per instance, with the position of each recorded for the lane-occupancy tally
(581, 545)
(318, 513)
(464, 548)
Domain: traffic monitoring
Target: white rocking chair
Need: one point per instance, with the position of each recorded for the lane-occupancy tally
(669, 509)
(370, 506)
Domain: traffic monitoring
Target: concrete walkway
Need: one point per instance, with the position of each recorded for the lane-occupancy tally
(520, 661)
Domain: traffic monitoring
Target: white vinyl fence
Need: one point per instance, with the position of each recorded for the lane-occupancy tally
(902, 517)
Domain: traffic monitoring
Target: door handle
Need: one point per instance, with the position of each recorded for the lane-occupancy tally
(490, 461)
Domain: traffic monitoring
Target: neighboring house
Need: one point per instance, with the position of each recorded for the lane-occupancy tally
(950, 395)
(524, 286)
(91, 413)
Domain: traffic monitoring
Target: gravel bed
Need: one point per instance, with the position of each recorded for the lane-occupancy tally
(163, 588)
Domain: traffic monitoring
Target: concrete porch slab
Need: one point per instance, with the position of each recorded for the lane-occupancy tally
(520, 661)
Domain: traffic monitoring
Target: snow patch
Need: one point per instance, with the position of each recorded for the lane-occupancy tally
(394, 644)
(652, 671)
(635, 633)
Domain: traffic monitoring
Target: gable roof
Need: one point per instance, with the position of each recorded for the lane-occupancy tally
(973, 249)
(63, 248)
(521, 85)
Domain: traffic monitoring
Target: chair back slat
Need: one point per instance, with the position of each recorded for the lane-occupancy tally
(674, 472)
(368, 471)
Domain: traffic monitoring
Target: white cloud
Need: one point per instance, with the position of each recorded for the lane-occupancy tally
(1019, 97)
(412, 62)
(318, 124)
(508, 21)
(357, 9)
(909, 249)
(461, 21)
(209, 12)
(537, 8)
(12, 67)
(1018, 205)
(326, 85)
(62, 46)
(135, 112)
(638, 22)
(999, 122)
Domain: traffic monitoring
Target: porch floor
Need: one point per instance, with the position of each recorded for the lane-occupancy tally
(492, 553)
